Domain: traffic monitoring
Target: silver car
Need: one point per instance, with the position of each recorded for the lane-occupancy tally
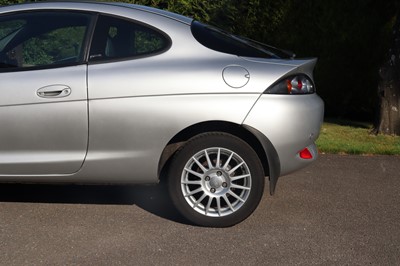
(122, 94)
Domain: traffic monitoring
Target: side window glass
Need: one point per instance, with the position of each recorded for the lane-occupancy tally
(59, 46)
(42, 39)
(117, 38)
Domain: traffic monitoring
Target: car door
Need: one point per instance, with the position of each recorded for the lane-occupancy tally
(120, 71)
(43, 88)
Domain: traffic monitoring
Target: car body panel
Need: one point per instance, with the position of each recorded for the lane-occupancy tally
(301, 121)
(43, 135)
(136, 137)
(170, 78)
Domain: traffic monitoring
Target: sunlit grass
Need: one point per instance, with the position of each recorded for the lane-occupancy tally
(343, 137)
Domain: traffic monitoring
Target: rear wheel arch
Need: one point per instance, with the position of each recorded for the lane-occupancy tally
(214, 126)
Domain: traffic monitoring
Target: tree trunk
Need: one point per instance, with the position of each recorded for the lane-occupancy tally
(389, 88)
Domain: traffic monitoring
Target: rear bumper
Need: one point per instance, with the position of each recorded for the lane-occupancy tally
(290, 123)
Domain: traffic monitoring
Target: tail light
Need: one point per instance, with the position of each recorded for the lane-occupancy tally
(298, 84)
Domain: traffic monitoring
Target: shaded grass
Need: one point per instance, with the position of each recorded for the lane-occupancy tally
(346, 137)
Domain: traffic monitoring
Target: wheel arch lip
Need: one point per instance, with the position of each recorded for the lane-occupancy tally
(274, 164)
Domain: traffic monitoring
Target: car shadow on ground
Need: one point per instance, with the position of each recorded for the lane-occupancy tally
(154, 199)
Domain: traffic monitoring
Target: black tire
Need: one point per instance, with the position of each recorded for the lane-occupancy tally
(221, 195)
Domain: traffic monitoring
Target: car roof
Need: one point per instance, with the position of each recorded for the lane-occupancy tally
(94, 4)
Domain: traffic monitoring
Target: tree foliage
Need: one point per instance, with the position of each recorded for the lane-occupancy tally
(252, 18)
(349, 38)
(10, 2)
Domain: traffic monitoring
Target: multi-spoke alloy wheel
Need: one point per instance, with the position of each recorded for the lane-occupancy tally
(216, 179)
(216, 182)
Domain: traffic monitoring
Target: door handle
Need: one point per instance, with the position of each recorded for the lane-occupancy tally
(54, 91)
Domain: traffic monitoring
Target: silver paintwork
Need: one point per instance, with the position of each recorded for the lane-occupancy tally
(41, 135)
(301, 120)
(120, 116)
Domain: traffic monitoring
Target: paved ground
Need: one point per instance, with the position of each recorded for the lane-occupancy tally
(342, 210)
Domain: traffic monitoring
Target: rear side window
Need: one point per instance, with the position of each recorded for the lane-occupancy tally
(42, 39)
(117, 38)
(222, 41)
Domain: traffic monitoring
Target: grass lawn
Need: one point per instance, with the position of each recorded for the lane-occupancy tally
(344, 137)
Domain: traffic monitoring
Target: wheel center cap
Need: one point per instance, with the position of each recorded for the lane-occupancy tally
(216, 182)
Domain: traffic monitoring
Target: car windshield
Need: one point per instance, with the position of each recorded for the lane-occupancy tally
(225, 42)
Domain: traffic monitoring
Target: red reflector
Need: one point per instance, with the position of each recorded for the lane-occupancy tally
(305, 154)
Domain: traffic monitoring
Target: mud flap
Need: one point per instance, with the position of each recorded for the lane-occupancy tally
(273, 179)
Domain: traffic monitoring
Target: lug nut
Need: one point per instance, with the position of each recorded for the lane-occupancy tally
(224, 184)
(212, 190)
(207, 178)
(219, 173)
